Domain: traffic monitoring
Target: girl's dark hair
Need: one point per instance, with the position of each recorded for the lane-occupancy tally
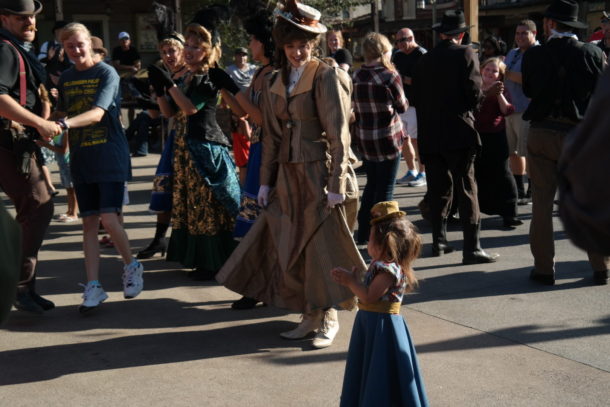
(285, 33)
(260, 26)
(400, 243)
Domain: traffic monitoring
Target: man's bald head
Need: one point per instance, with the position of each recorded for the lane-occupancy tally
(405, 40)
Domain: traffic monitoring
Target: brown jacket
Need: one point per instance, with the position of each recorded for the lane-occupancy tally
(311, 126)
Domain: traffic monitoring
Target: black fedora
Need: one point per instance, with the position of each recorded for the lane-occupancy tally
(453, 22)
(564, 12)
(20, 7)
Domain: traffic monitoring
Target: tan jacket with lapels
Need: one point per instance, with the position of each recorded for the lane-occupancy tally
(311, 126)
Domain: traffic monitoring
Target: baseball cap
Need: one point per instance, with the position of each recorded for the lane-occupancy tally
(123, 34)
(241, 50)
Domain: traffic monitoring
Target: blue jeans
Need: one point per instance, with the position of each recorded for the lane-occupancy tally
(380, 178)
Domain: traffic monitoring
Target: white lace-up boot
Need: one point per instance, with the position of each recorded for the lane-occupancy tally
(310, 322)
(327, 332)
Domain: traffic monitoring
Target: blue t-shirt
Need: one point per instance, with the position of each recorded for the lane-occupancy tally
(98, 153)
(513, 63)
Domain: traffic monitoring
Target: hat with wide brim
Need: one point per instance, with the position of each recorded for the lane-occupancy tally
(452, 23)
(21, 7)
(305, 17)
(386, 210)
(98, 45)
(564, 12)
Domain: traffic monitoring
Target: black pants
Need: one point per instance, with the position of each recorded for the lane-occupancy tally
(445, 169)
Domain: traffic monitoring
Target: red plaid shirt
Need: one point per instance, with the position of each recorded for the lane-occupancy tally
(378, 99)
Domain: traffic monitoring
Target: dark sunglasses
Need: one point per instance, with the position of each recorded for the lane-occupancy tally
(399, 40)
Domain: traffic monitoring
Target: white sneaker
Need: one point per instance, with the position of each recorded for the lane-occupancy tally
(133, 283)
(409, 176)
(310, 323)
(93, 296)
(419, 181)
(330, 326)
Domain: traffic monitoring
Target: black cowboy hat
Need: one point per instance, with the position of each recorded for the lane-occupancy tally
(564, 12)
(20, 7)
(453, 22)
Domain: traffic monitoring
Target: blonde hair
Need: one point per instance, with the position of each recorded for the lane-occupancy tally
(73, 28)
(339, 35)
(498, 61)
(375, 46)
(204, 37)
(400, 243)
(174, 40)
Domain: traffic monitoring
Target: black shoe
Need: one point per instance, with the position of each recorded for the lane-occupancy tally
(202, 275)
(546, 279)
(524, 201)
(153, 248)
(138, 155)
(480, 257)
(441, 248)
(43, 302)
(600, 277)
(511, 222)
(25, 302)
(245, 303)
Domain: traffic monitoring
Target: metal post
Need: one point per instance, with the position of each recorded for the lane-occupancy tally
(59, 10)
(375, 13)
(178, 13)
(434, 35)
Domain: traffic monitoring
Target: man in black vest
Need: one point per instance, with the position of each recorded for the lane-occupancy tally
(446, 90)
(559, 77)
(20, 175)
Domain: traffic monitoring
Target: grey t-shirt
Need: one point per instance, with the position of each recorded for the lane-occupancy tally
(241, 77)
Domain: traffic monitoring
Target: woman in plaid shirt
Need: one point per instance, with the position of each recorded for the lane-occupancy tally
(378, 100)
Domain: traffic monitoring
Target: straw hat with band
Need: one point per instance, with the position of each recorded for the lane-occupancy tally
(382, 211)
(305, 17)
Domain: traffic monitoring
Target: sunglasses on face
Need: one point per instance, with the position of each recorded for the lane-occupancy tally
(407, 39)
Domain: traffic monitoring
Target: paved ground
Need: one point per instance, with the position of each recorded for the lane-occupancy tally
(485, 334)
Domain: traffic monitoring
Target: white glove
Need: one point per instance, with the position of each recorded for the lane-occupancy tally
(263, 196)
(334, 199)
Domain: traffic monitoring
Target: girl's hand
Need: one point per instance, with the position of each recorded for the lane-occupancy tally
(343, 276)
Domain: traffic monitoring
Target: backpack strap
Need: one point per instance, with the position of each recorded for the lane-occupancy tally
(22, 79)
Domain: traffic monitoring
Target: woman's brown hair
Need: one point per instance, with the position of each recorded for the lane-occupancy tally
(285, 33)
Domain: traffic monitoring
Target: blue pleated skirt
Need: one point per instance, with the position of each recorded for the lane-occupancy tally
(249, 209)
(382, 368)
(161, 199)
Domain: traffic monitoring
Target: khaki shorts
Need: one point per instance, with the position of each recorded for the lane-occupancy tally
(516, 134)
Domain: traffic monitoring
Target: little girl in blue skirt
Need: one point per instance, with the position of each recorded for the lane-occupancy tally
(382, 367)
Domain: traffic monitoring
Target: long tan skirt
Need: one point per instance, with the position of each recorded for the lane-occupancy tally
(286, 258)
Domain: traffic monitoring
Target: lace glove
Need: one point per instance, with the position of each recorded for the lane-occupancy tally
(160, 79)
(334, 199)
(263, 196)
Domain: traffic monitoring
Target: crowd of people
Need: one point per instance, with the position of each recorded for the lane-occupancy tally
(271, 210)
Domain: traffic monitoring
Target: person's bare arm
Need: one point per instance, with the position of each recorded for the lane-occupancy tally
(14, 111)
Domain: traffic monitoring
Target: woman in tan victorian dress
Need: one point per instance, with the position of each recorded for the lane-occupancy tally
(308, 188)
